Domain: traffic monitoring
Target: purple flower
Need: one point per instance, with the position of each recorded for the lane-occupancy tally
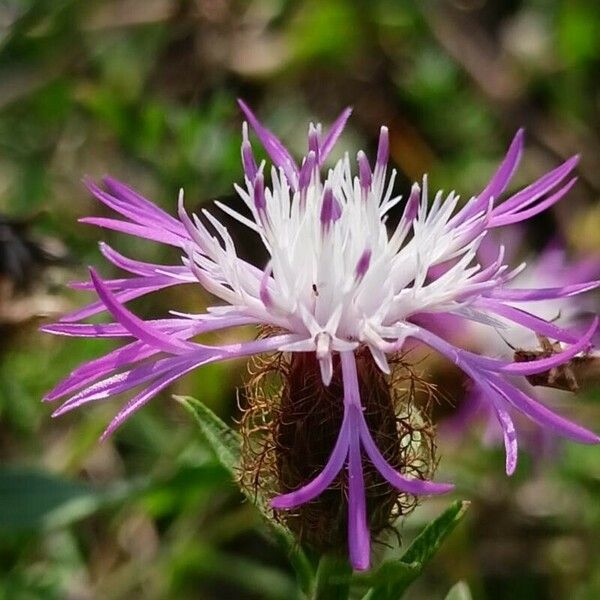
(337, 281)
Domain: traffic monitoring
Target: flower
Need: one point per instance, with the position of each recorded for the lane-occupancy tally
(337, 282)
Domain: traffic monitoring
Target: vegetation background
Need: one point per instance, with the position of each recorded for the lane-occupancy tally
(145, 90)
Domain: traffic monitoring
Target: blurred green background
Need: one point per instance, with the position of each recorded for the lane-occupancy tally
(145, 90)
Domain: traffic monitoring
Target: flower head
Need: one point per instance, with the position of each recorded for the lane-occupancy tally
(339, 282)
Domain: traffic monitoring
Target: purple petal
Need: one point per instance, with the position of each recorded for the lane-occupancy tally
(97, 307)
(412, 204)
(331, 210)
(94, 370)
(314, 141)
(538, 188)
(352, 400)
(275, 149)
(95, 330)
(498, 182)
(260, 201)
(333, 134)
(143, 397)
(532, 295)
(528, 320)
(137, 267)
(138, 328)
(148, 215)
(324, 479)
(461, 358)
(358, 529)
(132, 283)
(202, 355)
(146, 207)
(510, 438)
(148, 233)
(516, 217)
(542, 415)
(138, 351)
(400, 482)
(125, 381)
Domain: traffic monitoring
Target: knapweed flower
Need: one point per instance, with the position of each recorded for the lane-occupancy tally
(341, 287)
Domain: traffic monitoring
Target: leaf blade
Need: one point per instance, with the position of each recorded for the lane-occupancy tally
(226, 444)
(397, 575)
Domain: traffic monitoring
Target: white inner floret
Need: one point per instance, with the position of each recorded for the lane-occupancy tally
(337, 276)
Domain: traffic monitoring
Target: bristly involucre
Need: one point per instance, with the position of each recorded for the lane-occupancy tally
(341, 282)
(290, 423)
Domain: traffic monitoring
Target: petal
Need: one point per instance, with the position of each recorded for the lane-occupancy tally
(138, 328)
(275, 149)
(122, 296)
(324, 479)
(352, 400)
(510, 438)
(516, 217)
(136, 267)
(149, 215)
(417, 487)
(542, 415)
(501, 178)
(143, 397)
(533, 295)
(537, 189)
(333, 134)
(527, 320)
(358, 530)
(144, 205)
(155, 234)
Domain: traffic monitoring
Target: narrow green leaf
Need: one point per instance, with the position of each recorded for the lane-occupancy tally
(459, 591)
(226, 444)
(430, 539)
(333, 578)
(393, 577)
(390, 573)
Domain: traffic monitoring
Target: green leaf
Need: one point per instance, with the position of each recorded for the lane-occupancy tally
(333, 578)
(393, 577)
(226, 444)
(430, 539)
(391, 573)
(459, 591)
(33, 500)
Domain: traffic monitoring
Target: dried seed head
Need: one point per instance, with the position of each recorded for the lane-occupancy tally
(289, 428)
